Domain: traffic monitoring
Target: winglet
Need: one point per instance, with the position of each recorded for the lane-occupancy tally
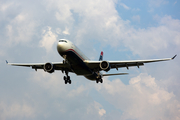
(6, 62)
(174, 57)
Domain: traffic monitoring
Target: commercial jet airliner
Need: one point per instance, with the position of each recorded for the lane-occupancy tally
(76, 62)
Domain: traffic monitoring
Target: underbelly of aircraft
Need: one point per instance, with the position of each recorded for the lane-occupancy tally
(91, 77)
(82, 72)
(77, 64)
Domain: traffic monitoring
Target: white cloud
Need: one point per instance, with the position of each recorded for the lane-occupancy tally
(125, 6)
(76, 91)
(58, 30)
(64, 15)
(157, 3)
(142, 99)
(91, 17)
(20, 29)
(16, 110)
(51, 82)
(48, 39)
(96, 107)
(171, 23)
(102, 112)
(5, 6)
(99, 108)
(154, 39)
(103, 24)
(66, 31)
(72, 99)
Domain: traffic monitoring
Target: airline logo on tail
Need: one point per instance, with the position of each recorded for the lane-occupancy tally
(101, 56)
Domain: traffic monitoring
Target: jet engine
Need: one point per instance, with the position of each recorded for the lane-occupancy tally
(48, 67)
(104, 65)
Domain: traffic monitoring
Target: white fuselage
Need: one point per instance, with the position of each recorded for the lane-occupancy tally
(69, 46)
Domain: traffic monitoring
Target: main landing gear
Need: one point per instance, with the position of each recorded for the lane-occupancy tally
(99, 80)
(67, 78)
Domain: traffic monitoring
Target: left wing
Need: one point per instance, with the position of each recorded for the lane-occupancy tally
(56, 65)
(128, 63)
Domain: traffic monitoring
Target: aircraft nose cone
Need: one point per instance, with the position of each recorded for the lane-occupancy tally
(61, 47)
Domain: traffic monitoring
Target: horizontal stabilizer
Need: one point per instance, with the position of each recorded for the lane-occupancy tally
(115, 74)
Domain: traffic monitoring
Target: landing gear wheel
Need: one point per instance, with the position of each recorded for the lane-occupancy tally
(65, 78)
(68, 77)
(99, 80)
(66, 81)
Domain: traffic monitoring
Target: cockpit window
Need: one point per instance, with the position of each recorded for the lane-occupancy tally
(62, 41)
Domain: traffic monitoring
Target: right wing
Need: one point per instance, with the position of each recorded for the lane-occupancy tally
(127, 63)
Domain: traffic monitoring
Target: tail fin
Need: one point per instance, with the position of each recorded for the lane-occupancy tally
(101, 56)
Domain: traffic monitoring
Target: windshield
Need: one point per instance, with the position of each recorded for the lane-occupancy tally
(62, 41)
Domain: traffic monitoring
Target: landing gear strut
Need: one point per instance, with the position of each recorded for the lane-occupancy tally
(67, 78)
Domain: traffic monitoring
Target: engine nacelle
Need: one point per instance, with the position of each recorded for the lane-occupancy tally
(104, 65)
(48, 67)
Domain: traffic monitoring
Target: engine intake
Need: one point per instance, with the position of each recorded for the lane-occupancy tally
(48, 67)
(104, 65)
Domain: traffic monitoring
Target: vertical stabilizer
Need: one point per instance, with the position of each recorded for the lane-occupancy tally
(101, 56)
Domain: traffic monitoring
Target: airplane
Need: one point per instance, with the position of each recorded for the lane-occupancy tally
(76, 62)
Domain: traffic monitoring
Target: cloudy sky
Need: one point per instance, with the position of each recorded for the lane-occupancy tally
(124, 30)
